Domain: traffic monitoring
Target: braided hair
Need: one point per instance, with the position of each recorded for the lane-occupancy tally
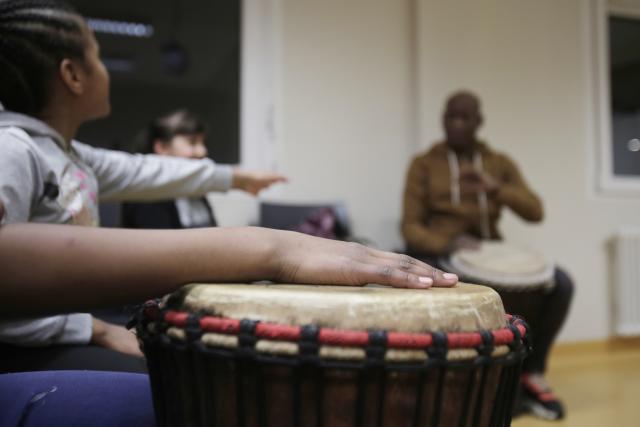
(35, 36)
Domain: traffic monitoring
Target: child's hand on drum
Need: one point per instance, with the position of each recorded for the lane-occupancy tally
(128, 266)
(306, 259)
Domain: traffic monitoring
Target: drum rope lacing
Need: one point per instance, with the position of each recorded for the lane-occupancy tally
(196, 381)
(247, 334)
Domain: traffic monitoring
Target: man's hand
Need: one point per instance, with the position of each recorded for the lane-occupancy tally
(474, 182)
(115, 338)
(254, 182)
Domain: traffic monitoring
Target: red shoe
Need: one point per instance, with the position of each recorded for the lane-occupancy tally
(538, 399)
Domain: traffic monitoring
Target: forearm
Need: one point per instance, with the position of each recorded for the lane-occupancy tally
(523, 202)
(54, 268)
(127, 265)
(126, 177)
(517, 195)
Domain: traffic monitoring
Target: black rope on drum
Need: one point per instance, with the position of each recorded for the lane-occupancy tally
(295, 394)
(192, 329)
(521, 347)
(438, 355)
(205, 382)
(308, 349)
(485, 350)
(422, 376)
(499, 397)
(464, 413)
(245, 350)
(376, 351)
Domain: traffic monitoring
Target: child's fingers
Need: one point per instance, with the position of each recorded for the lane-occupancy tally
(388, 275)
(401, 259)
(416, 267)
(444, 280)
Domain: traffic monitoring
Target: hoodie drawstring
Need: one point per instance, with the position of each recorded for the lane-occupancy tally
(483, 202)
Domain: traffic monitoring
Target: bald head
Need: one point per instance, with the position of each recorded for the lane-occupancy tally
(465, 98)
(461, 119)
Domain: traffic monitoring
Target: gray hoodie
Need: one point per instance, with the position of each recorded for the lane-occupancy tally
(45, 179)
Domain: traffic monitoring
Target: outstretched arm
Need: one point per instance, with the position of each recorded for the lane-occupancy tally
(136, 177)
(54, 268)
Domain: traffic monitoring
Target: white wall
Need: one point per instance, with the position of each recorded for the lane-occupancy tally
(347, 108)
(531, 64)
(346, 111)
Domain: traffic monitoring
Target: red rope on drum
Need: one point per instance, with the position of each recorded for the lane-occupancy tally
(408, 340)
(220, 324)
(278, 332)
(463, 339)
(176, 318)
(339, 337)
(502, 336)
(343, 337)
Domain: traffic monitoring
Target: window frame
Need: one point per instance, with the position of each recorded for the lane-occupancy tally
(608, 183)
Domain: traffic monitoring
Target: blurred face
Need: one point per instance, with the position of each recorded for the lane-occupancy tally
(461, 121)
(96, 96)
(186, 146)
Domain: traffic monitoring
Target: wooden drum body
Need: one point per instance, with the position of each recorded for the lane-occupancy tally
(288, 355)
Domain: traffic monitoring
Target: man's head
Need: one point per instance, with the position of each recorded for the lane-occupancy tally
(461, 119)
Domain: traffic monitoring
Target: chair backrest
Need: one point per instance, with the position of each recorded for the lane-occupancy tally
(285, 216)
(110, 214)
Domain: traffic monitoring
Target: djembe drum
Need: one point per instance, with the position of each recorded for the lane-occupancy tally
(519, 274)
(295, 355)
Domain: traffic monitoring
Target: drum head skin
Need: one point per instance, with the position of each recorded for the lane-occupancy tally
(502, 264)
(463, 308)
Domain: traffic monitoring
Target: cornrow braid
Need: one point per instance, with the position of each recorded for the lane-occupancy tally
(35, 35)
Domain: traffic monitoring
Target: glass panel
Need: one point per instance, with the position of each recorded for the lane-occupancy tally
(624, 62)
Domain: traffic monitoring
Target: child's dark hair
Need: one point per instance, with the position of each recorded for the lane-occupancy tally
(166, 127)
(35, 35)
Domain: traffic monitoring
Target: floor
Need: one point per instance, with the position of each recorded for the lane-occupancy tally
(599, 383)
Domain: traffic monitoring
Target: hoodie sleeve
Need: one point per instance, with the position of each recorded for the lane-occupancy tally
(20, 181)
(137, 177)
(20, 188)
(40, 332)
(516, 194)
